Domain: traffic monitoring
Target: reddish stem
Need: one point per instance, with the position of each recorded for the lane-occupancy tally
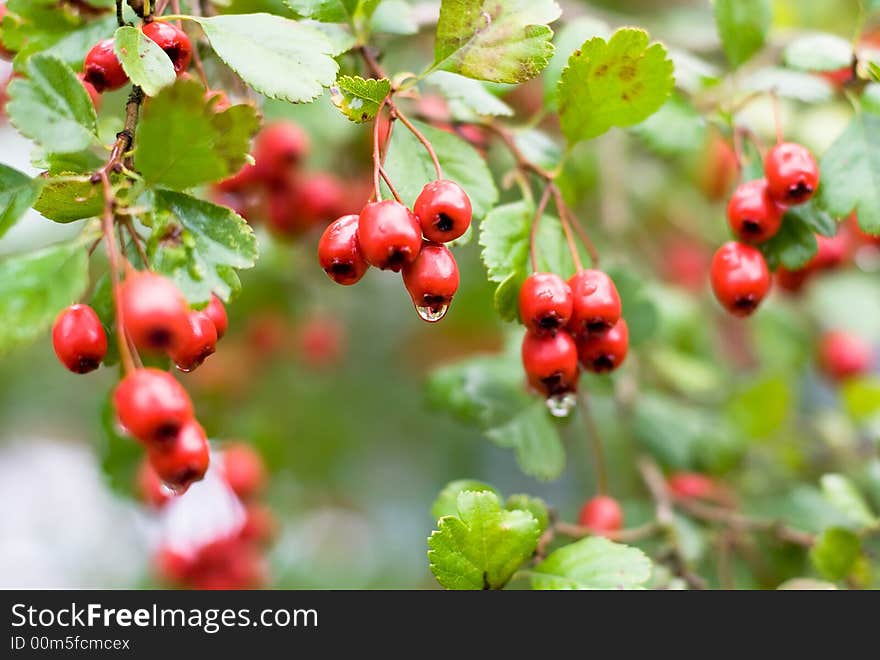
(426, 143)
(533, 232)
(377, 155)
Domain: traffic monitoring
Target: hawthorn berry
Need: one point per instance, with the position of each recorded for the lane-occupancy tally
(601, 514)
(319, 198)
(320, 341)
(173, 41)
(79, 339)
(595, 302)
(753, 215)
(259, 524)
(197, 345)
(432, 280)
(792, 173)
(247, 177)
(184, 460)
(740, 278)
(545, 303)
(843, 355)
(605, 351)
(154, 311)
(150, 487)
(550, 362)
(444, 211)
(389, 235)
(216, 311)
(691, 485)
(339, 252)
(102, 68)
(93, 93)
(151, 405)
(279, 147)
(243, 470)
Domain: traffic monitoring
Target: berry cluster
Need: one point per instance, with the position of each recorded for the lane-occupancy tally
(739, 274)
(388, 236)
(569, 326)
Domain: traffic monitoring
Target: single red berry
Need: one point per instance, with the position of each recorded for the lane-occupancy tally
(260, 525)
(173, 41)
(172, 566)
(550, 362)
(284, 210)
(243, 470)
(102, 69)
(184, 460)
(339, 252)
(321, 341)
(601, 514)
(246, 177)
(155, 313)
(432, 280)
(279, 147)
(843, 355)
(79, 339)
(753, 215)
(93, 93)
(320, 199)
(389, 235)
(444, 211)
(832, 252)
(198, 344)
(152, 405)
(740, 278)
(150, 487)
(792, 173)
(545, 303)
(216, 311)
(606, 351)
(596, 303)
(691, 485)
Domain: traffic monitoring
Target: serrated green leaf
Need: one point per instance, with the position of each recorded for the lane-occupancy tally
(496, 40)
(676, 128)
(446, 503)
(818, 52)
(278, 57)
(67, 199)
(535, 441)
(843, 496)
(334, 11)
(743, 26)
(835, 552)
(358, 98)
(534, 505)
(796, 85)
(593, 563)
(147, 65)
(793, 245)
(620, 82)
(569, 37)
(18, 192)
(182, 141)
(471, 94)
(483, 545)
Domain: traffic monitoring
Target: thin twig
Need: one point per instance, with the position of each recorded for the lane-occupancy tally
(533, 232)
(377, 156)
(631, 535)
(426, 143)
(563, 212)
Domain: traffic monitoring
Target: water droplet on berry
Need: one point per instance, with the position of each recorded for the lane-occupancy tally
(561, 405)
(433, 313)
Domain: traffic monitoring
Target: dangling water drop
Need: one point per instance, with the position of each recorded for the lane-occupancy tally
(432, 313)
(561, 405)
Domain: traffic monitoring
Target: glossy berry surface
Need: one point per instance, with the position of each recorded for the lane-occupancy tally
(550, 362)
(545, 303)
(601, 514)
(198, 344)
(752, 214)
(843, 355)
(216, 311)
(432, 279)
(155, 313)
(102, 69)
(605, 351)
(444, 211)
(792, 173)
(243, 470)
(389, 235)
(595, 302)
(184, 460)
(173, 41)
(79, 339)
(339, 252)
(740, 278)
(691, 485)
(279, 147)
(152, 405)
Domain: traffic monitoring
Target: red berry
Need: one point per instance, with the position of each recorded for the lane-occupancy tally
(606, 351)
(792, 173)
(152, 405)
(278, 148)
(444, 211)
(102, 69)
(596, 303)
(831, 253)
(246, 177)
(753, 215)
(93, 93)
(243, 470)
(184, 460)
(172, 566)
(199, 344)
(79, 339)
(691, 485)
(284, 211)
(389, 235)
(259, 524)
(550, 362)
(740, 278)
(155, 313)
(216, 311)
(321, 341)
(432, 280)
(219, 100)
(339, 251)
(843, 355)
(320, 198)
(545, 303)
(173, 41)
(601, 514)
(150, 487)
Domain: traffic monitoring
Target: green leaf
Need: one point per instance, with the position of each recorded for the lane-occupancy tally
(279, 58)
(446, 503)
(593, 563)
(469, 94)
(146, 64)
(743, 26)
(67, 199)
(762, 407)
(819, 52)
(851, 173)
(183, 142)
(52, 108)
(334, 11)
(871, 98)
(395, 17)
(410, 167)
(35, 286)
(835, 552)
(495, 40)
(861, 397)
(120, 456)
(534, 505)
(677, 128)
(535, 441)
(199, 245)
(72, 48)
(483, 545)
(358, 98)
(843, 495)
(570, 36)
(620, 82)
(793, 245)
(796, 85)
(18, 192)
(817, 219)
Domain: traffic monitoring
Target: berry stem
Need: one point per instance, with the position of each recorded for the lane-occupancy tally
(569, 221)
(569, 238)
(599, 463)
(777, 117)
(136, 239)
(533, 232)
(421, 138)
(377, 155)
(390, 185)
